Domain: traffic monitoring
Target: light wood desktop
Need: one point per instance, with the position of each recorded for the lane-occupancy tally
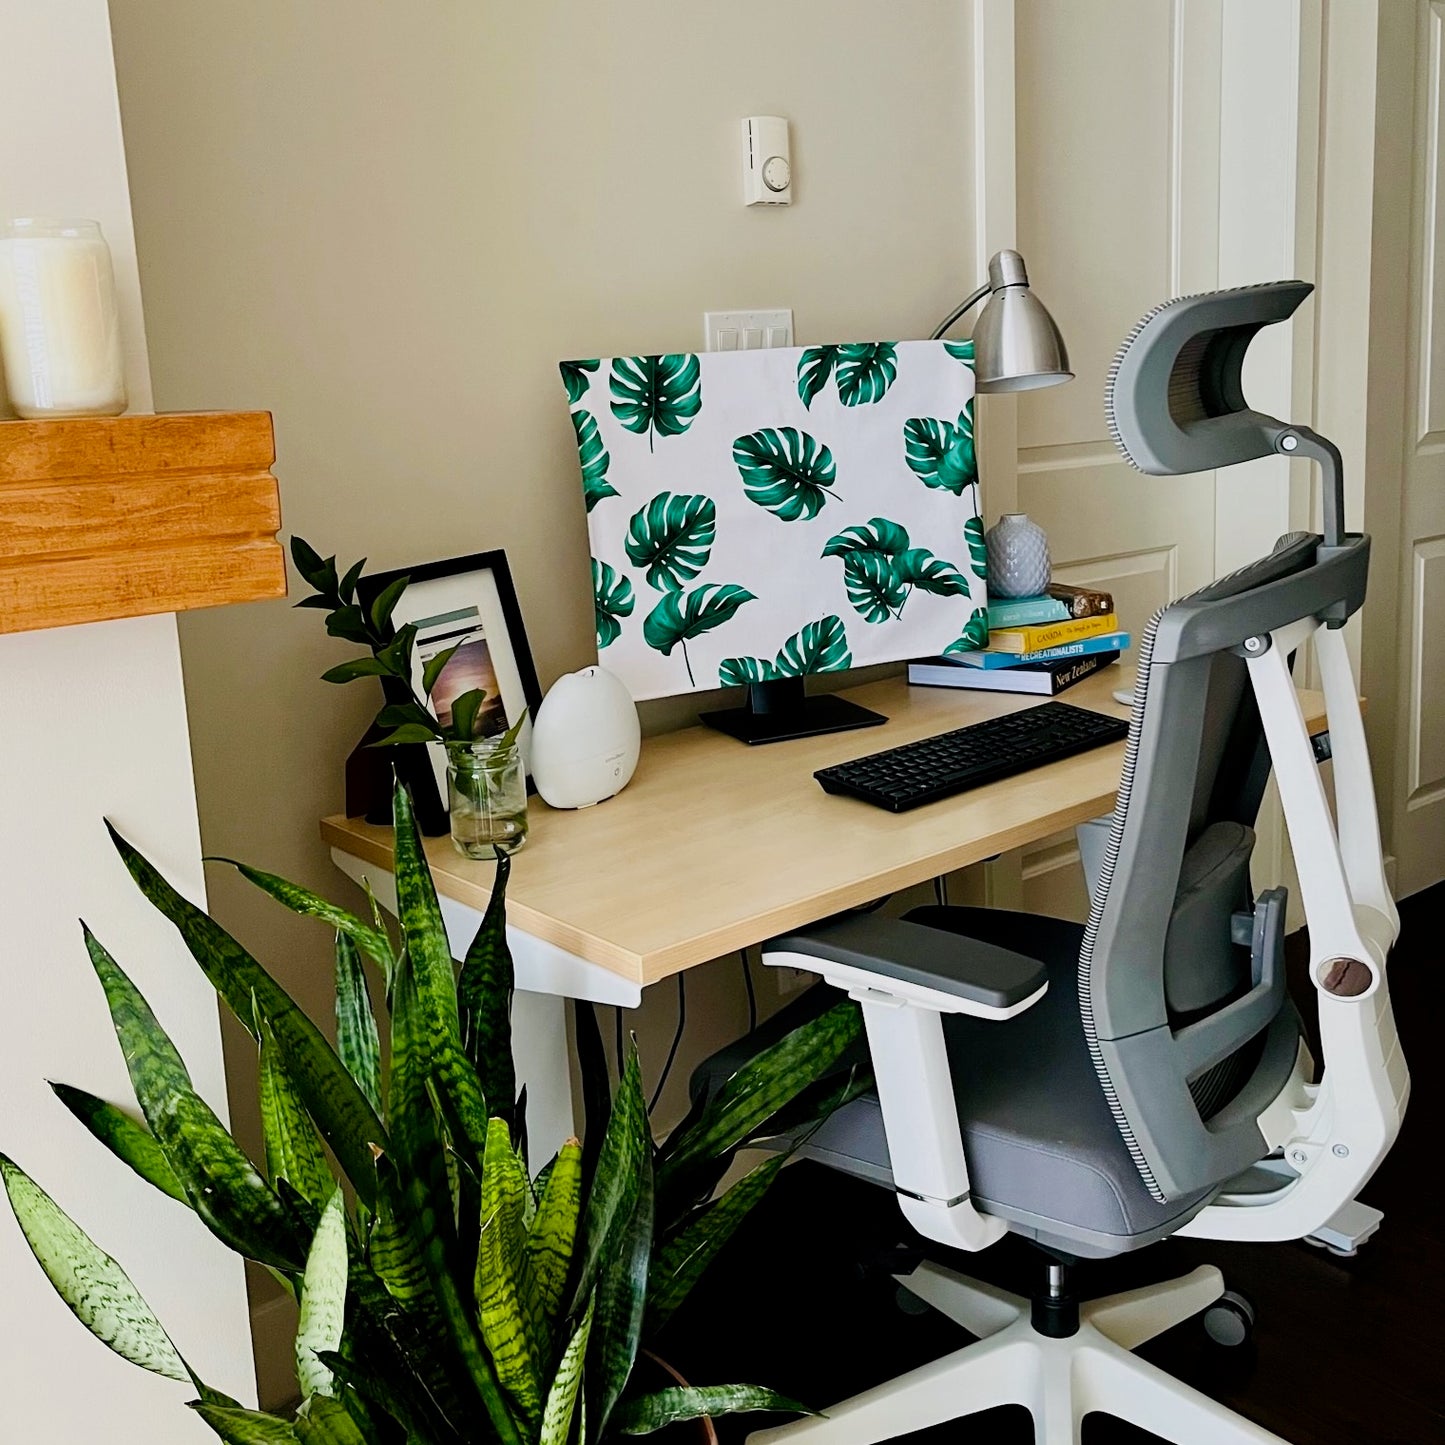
(715, 845)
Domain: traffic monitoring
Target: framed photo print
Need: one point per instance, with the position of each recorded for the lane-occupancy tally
(468, 603)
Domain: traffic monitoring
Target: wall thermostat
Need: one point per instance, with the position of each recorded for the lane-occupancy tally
(767, 161)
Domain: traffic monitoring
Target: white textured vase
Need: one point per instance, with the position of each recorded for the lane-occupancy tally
(1018, 557)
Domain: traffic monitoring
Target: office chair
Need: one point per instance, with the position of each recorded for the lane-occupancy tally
(1101, 1087)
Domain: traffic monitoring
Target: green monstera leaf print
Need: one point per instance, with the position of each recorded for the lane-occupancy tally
(875, 593)
(658, 395)
(594, 458)
(741, 671)
(918, 567)
(940, 453)
(680, 617)
(613, 599)
(821, 646)
(815, 366)
(881, 570)
(879, 535)
(576, 379)
(977, 548)
(865, 372)
(672, 537)
(961, 351)
(973, 637)
(785, 471)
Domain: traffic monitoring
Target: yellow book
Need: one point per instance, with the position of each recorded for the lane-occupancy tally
(1050, 634)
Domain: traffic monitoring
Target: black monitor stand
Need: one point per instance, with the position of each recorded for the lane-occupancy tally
(778, 711)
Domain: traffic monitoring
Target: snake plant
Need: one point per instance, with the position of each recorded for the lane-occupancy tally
(447, 1295)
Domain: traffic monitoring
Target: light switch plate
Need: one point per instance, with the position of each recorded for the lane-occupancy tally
(747, 330)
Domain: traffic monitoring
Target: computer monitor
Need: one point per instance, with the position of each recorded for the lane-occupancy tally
(758, 517)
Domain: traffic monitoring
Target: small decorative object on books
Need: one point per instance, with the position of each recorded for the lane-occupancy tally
(1082, 601)
(759, 516)
(447, 643)
(586, 741)
(1018, 557)
(59, 321)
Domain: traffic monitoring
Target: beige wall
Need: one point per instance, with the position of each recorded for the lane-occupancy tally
(93, 725)
(386, 222)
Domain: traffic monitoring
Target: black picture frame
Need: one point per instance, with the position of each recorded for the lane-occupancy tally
(495, 594)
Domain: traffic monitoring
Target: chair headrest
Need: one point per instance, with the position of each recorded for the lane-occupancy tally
(1174, 399)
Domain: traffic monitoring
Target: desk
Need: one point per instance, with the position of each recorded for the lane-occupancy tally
(715, 846)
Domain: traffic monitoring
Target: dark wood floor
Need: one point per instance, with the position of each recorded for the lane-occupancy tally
(1346, 1351)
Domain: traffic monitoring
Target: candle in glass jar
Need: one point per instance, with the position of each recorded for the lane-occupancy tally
(60, 340)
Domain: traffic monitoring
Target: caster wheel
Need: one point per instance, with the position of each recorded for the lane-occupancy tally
(909, 1303)
(1229, 1321)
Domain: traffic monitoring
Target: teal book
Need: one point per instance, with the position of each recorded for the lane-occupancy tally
(1025, 611)
(1109, 642)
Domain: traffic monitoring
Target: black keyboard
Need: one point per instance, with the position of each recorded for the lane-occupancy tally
(934, 768)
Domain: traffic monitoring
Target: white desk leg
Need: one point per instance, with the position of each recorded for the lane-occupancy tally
(547, 976)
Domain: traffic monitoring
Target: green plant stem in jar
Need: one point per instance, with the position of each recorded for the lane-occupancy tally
(487, 793)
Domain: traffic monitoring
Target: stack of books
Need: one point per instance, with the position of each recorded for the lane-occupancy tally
(1039, 645)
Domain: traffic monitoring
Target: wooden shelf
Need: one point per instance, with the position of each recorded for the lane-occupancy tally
(106, 517)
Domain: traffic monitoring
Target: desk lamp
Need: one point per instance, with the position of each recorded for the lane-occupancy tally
(1016, 347)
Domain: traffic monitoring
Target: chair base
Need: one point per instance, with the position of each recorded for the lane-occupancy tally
(1058, 1380)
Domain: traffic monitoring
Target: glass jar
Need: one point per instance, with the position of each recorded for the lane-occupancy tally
(487, 796)
(60, 341)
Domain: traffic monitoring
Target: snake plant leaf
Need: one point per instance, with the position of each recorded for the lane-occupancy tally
(977, 548)
(973, 636)
(672, 537)
(97, 1290)
(576, 377)
(763, 1086)
(918, 567)
(293, 1152)
(815, 366)
(245, 1427)
(865, 372)
(484, 994)
(622, 1299)
(961, 351)
(384, 1383)
(736, 671)
(347, 1122)
(324, 1421)
(680, 617)
(617, 1180)
(411, 1206)
(656, 395)
(872, 585)
(612, 600)
(323, 1300)
(594, 459)
(877, 535)
(680, 1262)
(221, 1183)
(547, 1250)
(357, 1040)
(498, 1283)
(646, 1413)
(126, 1138)
(785, 471)
(821, 646)
(940, 453)
(566, 1386)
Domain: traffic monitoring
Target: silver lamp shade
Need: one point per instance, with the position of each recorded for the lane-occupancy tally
(1016, 345)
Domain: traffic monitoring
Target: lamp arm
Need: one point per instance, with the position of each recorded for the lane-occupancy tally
(955, 314)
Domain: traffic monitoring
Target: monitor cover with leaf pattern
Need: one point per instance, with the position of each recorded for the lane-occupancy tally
(765, 514)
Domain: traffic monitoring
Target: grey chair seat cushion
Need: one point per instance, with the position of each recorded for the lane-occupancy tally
(1043, 1149)
(1038, 1134)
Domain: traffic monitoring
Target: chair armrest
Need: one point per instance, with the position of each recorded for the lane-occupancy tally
(912, 963)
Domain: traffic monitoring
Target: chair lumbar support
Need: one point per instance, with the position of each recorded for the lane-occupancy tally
(1058, 1376)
